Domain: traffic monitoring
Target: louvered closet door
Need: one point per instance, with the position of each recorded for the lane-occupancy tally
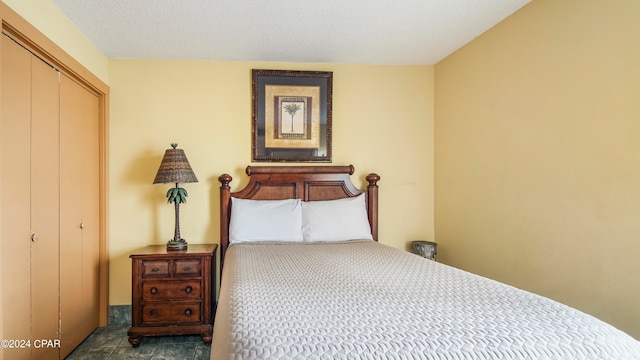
(79, 216)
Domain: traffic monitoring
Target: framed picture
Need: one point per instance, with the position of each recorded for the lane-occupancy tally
(291, 115)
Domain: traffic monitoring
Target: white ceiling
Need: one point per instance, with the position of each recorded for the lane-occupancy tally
(414, 32)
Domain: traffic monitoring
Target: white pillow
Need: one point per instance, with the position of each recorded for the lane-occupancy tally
(336, 220)
(265, 220)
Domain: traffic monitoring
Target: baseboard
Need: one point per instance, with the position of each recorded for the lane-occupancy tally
(120, 315)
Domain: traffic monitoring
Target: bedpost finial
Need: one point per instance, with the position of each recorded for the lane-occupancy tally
(373, 179)
(224, 180)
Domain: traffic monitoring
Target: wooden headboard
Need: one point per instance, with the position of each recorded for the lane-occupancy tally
(296, 182)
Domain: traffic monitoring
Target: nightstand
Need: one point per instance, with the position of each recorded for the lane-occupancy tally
(173, 292)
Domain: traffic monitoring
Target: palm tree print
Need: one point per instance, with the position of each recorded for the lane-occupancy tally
(292, 109)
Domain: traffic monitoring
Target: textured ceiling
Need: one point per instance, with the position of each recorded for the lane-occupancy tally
(417, 32)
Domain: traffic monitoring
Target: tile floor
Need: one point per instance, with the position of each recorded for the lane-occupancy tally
(110, 342)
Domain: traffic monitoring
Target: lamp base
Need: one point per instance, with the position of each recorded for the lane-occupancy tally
(176, 245)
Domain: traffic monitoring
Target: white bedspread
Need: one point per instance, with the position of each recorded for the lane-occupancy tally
(364, 300)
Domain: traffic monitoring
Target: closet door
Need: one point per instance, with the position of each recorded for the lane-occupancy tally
(30, 200)
(79, 215)
(15, 169)
(45, 206)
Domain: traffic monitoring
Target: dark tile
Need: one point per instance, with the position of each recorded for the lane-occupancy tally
(129, 352)
(111, 343)
(153, 340)
(175, 351)
(110, 336)
(117, 329)
(203, 351)
(90, 353)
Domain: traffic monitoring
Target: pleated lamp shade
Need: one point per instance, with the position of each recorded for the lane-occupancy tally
(175, 168)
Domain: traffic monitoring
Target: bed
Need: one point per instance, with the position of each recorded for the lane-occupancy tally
(334, 292)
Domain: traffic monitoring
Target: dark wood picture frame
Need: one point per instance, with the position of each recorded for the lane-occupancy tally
(291, 115)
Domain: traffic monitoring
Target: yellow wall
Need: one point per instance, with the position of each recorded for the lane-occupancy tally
(48, 19)
(537, 154)
(382, 122)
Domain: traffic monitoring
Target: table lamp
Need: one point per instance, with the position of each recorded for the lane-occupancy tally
(175, 169)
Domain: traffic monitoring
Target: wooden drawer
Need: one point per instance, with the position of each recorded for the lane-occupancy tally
(155, 268)
(171, 290)
(171, 313)
(188, 267)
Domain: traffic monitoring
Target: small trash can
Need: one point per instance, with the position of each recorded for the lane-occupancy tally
(426, 249)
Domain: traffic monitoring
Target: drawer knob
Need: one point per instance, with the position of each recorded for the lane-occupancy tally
(155, 269)
(154, 290)
(153, 313)
(188, 289)
(187, 312)
(187, 268)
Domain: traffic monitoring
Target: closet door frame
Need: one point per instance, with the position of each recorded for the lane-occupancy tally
(28, 36)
